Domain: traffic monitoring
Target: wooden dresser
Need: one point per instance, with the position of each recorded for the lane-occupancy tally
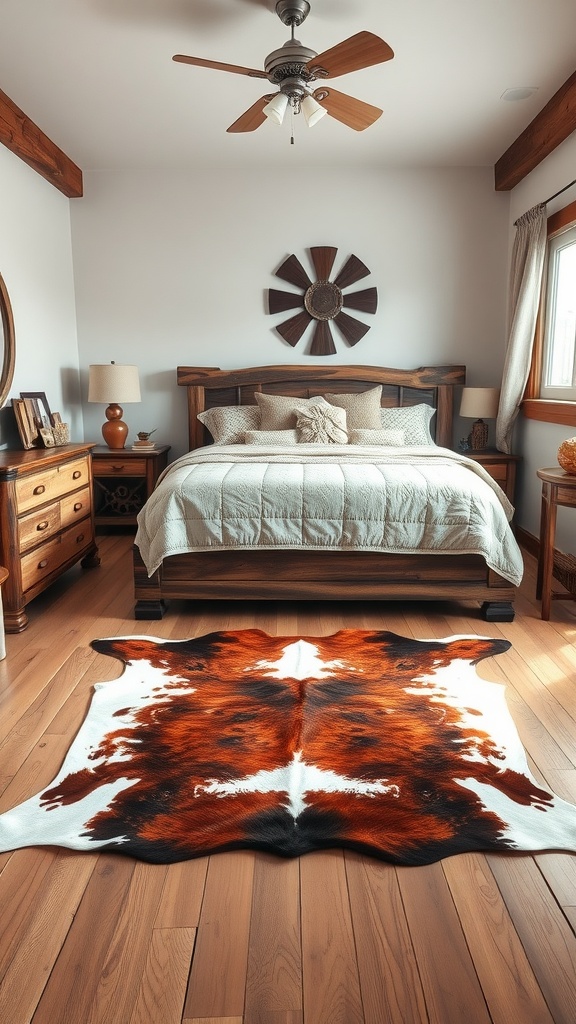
(46, 521)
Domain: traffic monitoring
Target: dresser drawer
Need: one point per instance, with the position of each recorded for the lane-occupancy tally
(38, 526)
(49, 557)
(75, 506)
(34, 490)
(116, 466)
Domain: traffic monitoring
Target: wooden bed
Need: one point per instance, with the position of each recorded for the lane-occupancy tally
(322, 575)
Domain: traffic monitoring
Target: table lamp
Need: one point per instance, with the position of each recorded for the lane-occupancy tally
(112, 383)
(479, 404)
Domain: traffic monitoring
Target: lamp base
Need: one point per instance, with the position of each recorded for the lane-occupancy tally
(478, 436)
(115, 431)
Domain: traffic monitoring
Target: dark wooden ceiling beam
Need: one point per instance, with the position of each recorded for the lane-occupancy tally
(20, 135)
(555, 122)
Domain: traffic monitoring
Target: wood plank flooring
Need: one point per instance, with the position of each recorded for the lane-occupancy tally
(246, 938)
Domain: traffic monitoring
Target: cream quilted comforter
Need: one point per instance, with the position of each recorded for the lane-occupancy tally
(329, 497)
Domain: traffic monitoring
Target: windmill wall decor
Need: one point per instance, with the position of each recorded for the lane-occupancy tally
(322, 300)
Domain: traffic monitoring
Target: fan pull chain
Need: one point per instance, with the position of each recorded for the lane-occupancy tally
(291, 124)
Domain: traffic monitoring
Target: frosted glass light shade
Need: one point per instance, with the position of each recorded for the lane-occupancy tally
(312, 110)
(480, 403)
(276, 108)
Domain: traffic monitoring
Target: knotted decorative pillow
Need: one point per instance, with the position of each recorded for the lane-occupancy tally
(322, 424)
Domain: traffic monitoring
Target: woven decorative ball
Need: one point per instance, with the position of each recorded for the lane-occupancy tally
(567, 455)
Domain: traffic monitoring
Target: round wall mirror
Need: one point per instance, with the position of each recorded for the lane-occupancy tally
(7, 343)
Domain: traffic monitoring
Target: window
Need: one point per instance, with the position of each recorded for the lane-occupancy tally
(551, 390)
(558, 357)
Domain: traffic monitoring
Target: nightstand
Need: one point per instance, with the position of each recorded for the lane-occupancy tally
(123, 481)
(500, 466)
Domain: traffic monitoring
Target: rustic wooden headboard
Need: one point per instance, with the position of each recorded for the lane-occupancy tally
(209, 387)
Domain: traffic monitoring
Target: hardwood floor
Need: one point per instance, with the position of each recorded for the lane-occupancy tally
(246, 938)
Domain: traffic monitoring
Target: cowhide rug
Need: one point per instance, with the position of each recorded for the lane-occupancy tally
(364, 739)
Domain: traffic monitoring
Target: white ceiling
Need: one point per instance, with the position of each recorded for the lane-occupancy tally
(97, 77)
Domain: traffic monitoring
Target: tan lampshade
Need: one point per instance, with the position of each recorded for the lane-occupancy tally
(112, 383)
(480, 403)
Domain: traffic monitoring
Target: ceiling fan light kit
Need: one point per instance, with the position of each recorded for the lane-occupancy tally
(293, 68)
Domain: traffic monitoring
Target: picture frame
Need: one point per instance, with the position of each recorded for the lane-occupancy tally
(37, 405)
(27, 429)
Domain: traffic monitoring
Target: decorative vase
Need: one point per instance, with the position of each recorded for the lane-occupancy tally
(567, 455)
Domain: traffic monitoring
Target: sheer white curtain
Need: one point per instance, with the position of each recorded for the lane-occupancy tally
(525, 280)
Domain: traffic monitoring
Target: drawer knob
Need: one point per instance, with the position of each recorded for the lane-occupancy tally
(43, 563)
(42, 526)
(79, 538)
(117, 469)
(39, 489)
(76, 474)
(77, 506)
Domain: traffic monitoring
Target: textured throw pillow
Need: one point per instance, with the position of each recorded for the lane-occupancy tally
(279, 412)
(322, 424)
(414, 420)
(383, 437)
(229, 423)
(271, 437)
(362, 410)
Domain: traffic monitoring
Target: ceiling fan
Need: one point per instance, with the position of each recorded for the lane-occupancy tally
(294, 68)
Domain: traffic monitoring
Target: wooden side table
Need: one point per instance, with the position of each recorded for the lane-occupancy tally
(558, 488)
(123, 481)
(500, 466)
(3, 576)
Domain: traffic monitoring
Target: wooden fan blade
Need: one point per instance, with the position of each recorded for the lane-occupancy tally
(322, 342)
(293, 329)
(236, 69)
(351, 329)
(352, 271)
(323, 257)
(279, 301)
(366, 301)
(252, 118)
(355, 113)
(293, 271)
(359, 51)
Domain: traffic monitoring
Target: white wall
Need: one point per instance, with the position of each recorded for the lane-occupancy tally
(538, 442)
(36, 264)
(173, 268)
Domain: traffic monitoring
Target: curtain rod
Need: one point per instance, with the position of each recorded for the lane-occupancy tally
(559, 192)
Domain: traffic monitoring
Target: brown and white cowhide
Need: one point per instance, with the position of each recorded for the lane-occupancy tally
(363, 739)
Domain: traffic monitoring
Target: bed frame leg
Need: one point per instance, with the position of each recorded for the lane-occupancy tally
(149, 609)
(497, 611)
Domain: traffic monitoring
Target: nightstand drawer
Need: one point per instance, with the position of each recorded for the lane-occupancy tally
(498, 471)
(34, 490)
(105, 466)
(51, 556)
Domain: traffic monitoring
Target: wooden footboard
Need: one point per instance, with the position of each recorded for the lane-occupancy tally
(321, 576)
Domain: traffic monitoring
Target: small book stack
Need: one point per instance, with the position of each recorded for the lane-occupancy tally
(143, 446)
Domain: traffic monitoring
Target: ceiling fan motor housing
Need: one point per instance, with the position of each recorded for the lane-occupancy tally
(289, 60)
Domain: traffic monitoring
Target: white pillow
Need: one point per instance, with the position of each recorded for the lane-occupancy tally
(279, 412)
(271, 437)
(322, 424)
(229, 423)
(414, 420)
(387, 438)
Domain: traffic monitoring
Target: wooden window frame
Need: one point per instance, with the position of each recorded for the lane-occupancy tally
(533, 407)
